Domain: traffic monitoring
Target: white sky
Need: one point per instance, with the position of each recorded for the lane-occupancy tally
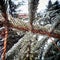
(41, 7)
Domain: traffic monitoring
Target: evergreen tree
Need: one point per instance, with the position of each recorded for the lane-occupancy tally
(57, 6)
(49, 4)
(12, 8)
(54, 6)
(56, 3)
